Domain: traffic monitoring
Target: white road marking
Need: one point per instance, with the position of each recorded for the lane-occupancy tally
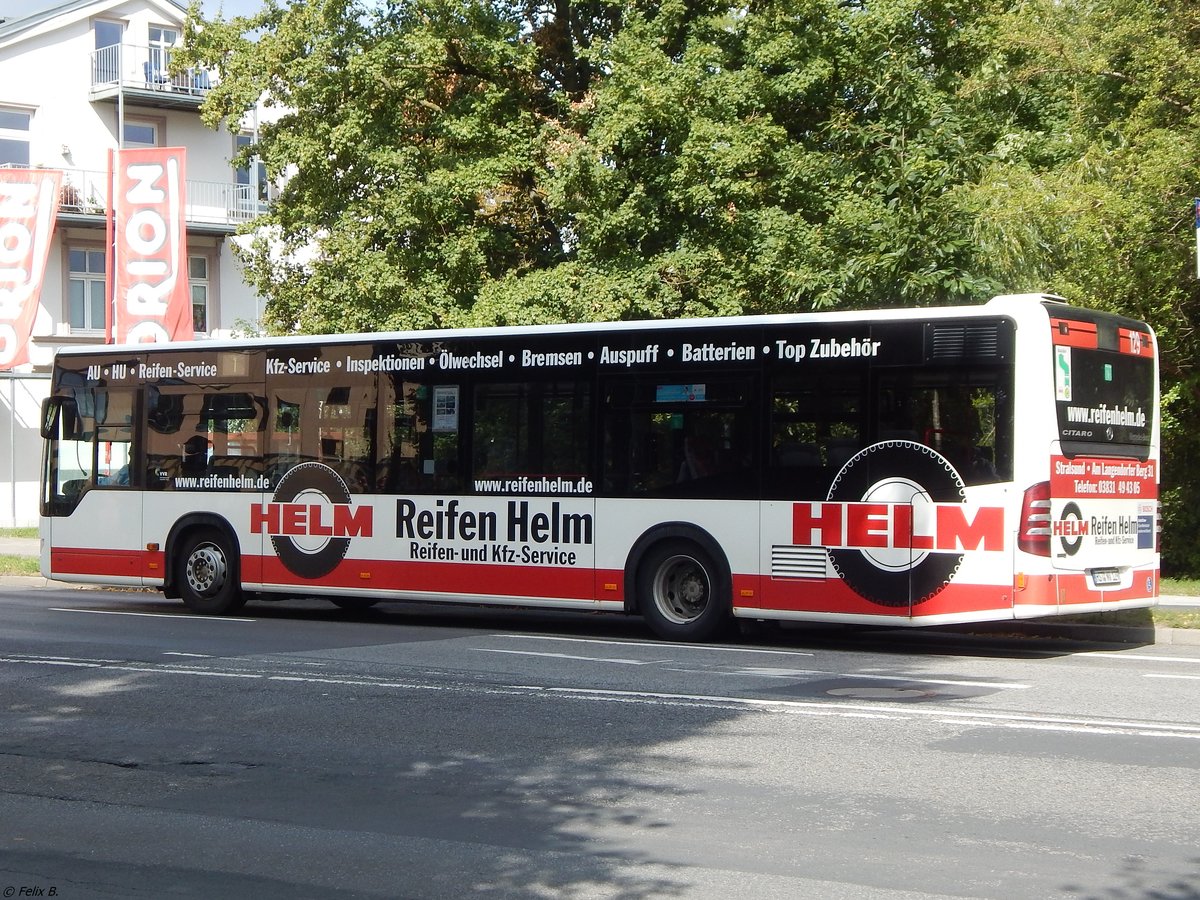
(596, 659)
(792, 673)
(69, 663)
(183, 617)
(758, 672)
(1148, 731)
(971, 718)
(711, 648)
(1187, 677)
(171, 671)
(1194, 660)
(195, 655)
(835, 709)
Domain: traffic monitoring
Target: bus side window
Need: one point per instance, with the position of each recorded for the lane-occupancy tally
(816, 426)
(534, 428)
(75, 466)
(419, 437)
(332, 425)
(677, 440)
(114, 435)
(95, 447)
(194, 432)
(962, 414)
(346, 432)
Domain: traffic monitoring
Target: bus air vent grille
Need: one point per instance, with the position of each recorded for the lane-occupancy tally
(964, 341)
(788, 561)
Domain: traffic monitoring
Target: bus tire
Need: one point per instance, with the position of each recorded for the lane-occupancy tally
(208, 574)
(683, 594)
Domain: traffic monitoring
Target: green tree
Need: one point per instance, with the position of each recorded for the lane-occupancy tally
(470, 162)
(1090, 189)
(456, 161)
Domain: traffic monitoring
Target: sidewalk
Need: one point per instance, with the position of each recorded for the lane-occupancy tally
(16, 546)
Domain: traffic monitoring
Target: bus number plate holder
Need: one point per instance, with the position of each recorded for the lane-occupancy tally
(1105, 577)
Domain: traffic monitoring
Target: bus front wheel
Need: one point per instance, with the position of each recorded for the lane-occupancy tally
(207, 576)
(682, 593)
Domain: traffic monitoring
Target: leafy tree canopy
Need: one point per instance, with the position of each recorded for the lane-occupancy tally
(458, 161)
(1089, 187)
(448, 162)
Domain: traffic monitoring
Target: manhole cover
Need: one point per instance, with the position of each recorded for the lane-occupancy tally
(880, 693)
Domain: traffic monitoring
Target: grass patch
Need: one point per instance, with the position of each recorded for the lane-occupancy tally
(1181, 587)
(33, 532)
(1127, 618)
(1158, 617)
(1165, 617)
(18, 565)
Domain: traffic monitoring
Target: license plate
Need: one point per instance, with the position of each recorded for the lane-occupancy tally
(1106, 576)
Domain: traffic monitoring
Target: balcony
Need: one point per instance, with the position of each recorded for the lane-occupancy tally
(140, 75)
(212, 206)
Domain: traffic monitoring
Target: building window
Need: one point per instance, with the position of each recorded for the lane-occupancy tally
(106, 65)
(108, 34)
(87, 290)
(14, 136)
(198, 283)
(162, 40)
(252, 178)
(140, 133)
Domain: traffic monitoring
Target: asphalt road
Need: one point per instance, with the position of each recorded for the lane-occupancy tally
(300, 751)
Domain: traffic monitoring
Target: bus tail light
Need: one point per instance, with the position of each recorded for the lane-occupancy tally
(1034, 536)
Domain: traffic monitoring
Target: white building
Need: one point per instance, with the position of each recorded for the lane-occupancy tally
(73, 76)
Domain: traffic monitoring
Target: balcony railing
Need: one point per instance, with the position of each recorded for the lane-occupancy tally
(138, 68)
(85, 192)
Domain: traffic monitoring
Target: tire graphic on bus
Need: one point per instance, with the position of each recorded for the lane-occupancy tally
(315, 485)
(897, 472)
(1074, 515)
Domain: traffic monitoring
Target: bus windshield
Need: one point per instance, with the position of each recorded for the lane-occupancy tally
(1105, 402)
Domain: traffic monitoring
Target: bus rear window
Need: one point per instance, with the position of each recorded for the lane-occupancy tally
(1105, 401)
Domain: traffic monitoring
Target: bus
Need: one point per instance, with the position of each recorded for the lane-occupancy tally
(894, 467)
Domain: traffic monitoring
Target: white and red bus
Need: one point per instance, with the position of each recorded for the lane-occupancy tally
(900, 467)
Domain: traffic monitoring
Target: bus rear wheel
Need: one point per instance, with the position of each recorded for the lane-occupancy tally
(682, 593)
(207, 576)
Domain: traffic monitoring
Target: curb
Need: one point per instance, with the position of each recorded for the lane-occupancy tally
(28, 581)
(1185, 636)
(1078, 631)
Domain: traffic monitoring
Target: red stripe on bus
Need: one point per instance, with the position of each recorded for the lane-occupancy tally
(1076, 587)
(1136, 343)
(1066, 333)
(610, 584)
(107, 563)
(1073, 589)
(835, 596)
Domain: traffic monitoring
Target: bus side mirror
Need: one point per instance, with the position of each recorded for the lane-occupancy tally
(51, 410)
(56, 410)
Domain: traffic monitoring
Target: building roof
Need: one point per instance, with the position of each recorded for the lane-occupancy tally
(17, 16)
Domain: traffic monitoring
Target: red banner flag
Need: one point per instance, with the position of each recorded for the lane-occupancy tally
(28, 209)
(152, 299)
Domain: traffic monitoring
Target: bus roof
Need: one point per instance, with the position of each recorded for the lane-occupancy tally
(1003, 305)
